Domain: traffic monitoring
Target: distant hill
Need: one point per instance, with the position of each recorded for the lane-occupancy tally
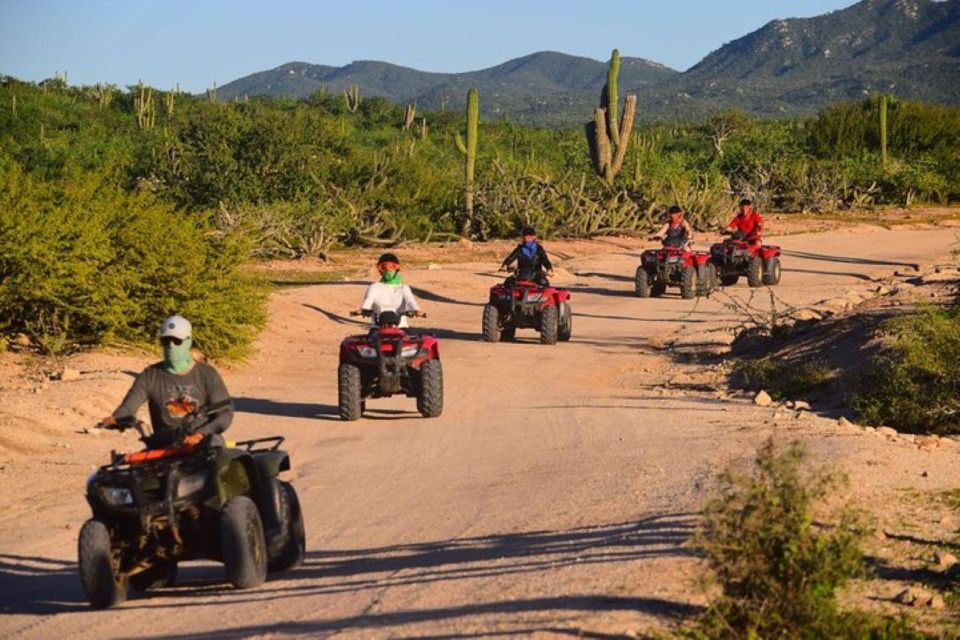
(787, 67)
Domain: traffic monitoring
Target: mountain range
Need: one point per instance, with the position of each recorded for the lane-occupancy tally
(789, 67)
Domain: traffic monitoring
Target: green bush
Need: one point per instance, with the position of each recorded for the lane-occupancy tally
(778, 570)
(85, 262)
(783, 379)
(914, 383)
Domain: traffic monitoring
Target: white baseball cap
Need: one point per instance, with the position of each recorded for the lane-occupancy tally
(176, 327)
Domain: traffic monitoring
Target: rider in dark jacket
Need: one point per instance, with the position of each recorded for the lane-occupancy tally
(531, 259)
(676, 232)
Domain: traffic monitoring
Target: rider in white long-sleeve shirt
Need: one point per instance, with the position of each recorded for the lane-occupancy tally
(389, 294)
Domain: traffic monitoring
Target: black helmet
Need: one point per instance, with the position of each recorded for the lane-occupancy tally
(675, 209)
(388, 257)
(528, 231)
(388, 319)
(746, 201)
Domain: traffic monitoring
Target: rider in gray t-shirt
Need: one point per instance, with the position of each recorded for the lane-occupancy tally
(175, 388)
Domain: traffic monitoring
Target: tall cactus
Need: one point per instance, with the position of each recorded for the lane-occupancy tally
(146, 111)
(469, 151)
(409, 115)
(883, 130)
(352, 96)
(607, 138)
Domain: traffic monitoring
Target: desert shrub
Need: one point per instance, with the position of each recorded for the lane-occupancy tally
(777, 568)
(84, 262)
(914, 383)
(783, 379)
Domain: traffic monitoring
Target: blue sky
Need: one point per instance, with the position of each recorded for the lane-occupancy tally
(200, 42)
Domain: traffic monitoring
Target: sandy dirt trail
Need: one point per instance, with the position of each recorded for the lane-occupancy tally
(554, 495)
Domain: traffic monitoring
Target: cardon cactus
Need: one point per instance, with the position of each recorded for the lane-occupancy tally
(608, 139)
(883, 130)
(352, 96)
(469, 151)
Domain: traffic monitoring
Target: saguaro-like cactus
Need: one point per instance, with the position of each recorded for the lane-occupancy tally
(146, 112)
(352, 96)
(469, 151)
(883, 130)
(608, 139)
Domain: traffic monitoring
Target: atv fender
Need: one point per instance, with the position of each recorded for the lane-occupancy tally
(236, 474)
(269, 464)
(769, 251)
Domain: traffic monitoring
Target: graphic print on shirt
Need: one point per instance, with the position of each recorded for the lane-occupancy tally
(181, 401)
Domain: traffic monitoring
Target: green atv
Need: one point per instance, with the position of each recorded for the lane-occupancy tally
(157, 507)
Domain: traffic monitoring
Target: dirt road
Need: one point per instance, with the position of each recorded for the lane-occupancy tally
(554, 496)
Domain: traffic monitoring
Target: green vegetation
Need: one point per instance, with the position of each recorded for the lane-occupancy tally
(914, 383)
(777, 568)
(282, 178)
(782, 379)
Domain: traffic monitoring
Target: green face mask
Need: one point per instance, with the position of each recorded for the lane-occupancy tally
(391, 277)
(177, 358)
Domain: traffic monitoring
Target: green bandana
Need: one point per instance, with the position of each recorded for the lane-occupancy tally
(391, 277)
(177, 358)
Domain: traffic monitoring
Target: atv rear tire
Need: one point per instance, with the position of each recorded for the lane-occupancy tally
(729, 280)
(771, 271)
(688, 283)
(350, 402)
(162, 574)
(287, 548)
(755, 272)
(491, 323)
(566, 322)
(242, 543)
(658, 289)
(706, 279)
(549, 325)
(642, 283)
(430, 400)
(98, 569)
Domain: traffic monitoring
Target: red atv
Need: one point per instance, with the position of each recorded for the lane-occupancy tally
(737, 256)
(692, 271)
(388, 361)
(524, 304)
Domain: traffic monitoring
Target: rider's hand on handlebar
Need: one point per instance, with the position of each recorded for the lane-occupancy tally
(420, 314)
(503, 267)
(107, 423)
(355, 312)
(193, 438)
(550, 273)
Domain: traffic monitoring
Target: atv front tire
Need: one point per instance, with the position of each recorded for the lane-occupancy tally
(350, 402)
(430, 400)
(771, 271)
(706, 279)
(755, 272)
(642, 283)
(729, 280)
(287, 548)
(566, 322)
(491, 323)
(508, 333)
(549, 325)
(162, 574)
(658, 289)
(242, 543)
(688, 283)
(98, 569)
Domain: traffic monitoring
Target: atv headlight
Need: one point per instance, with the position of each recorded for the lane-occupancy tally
(189, 485)
(368, 352)
(409, 352)
(116, 496)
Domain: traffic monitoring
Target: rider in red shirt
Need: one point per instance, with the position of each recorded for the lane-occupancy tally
(748, 222)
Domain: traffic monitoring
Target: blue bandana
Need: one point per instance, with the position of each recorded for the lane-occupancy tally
(529, 249)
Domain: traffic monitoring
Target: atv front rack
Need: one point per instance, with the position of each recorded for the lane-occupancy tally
(251, 445)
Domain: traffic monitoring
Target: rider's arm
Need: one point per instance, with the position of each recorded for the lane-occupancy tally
(544, 260)
(217, 395)
(686, 225)
(662, 231)
(368, 298)
(134, 399)
(733, 223)
(510, 259)
(409, 302)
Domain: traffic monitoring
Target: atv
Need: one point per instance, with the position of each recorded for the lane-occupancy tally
(737, 256)
(692, 271)
(524, 304)
(155, 508)
(388, 361)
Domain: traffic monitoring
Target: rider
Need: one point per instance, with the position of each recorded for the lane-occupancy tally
(531, 259)
(389, 294)
(175, 389)
(675, 232)
(747, 223)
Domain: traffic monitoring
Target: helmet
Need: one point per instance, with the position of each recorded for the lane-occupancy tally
(528, 231)
(745, 201)
(176, 327)
(674, 209)
(388, 319)
(388, 257)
